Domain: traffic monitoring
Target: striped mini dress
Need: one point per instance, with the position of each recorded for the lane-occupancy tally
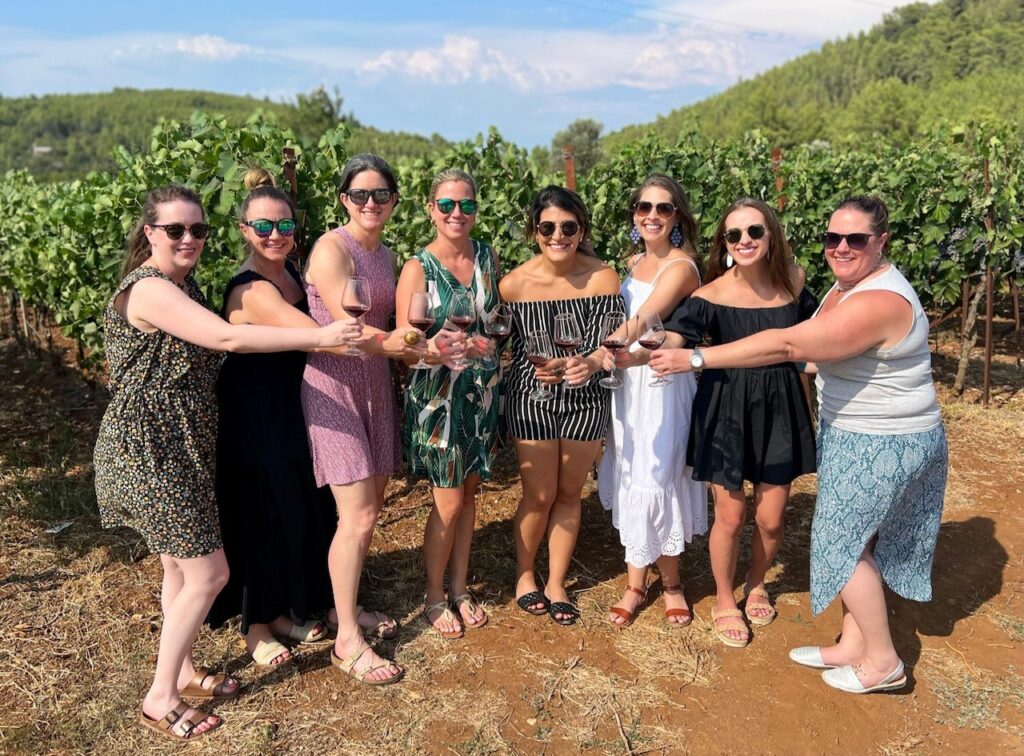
(575, 414)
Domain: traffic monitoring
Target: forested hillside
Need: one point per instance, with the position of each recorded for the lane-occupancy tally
(923, 66)
(66, 136)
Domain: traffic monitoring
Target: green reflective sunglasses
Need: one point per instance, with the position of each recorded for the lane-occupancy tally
(447, 206)
(264, 228)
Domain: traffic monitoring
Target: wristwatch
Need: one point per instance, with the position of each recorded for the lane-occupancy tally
(696, 359)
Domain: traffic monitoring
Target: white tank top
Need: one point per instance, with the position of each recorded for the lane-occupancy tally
(883, 391)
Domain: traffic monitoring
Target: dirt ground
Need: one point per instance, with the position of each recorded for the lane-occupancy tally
(79, 623)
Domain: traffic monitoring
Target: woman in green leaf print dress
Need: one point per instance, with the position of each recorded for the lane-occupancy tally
(451, 414)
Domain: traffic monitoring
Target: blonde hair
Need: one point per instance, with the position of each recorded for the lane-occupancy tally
(256, 177)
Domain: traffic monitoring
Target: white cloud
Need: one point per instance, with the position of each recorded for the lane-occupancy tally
(209, 47)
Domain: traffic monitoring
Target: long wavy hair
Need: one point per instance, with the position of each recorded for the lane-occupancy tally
(780, 255)
(683, 217)
(138, 248)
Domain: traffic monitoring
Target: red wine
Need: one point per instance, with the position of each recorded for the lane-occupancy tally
(355, 310)
(613, 345)
(421, 323)
(568, 343)
(538, 359)
(498, 331)
(652, 343)
(462, 321)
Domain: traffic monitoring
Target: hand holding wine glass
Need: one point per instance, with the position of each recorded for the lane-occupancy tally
(355, 301)
(651, 336)
(613, 339)
(421, 316)
(569, 338)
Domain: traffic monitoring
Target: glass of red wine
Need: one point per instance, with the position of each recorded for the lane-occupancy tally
(539, 351)
(652, 336)
(613, 338)
(497, 325)
(356, 302)
(462, 314)
(568, 337)
(421, 315)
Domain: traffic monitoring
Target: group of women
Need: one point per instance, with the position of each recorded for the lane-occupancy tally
(259, 481)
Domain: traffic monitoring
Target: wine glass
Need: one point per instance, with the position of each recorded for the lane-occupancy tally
(461, 314)
(613, 338)
(652, 336)
(539, 351)
(497, 325)
(568, 337)
(421, 315)
(356, 302)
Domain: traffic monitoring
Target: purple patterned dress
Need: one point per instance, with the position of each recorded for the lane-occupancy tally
(349, 402)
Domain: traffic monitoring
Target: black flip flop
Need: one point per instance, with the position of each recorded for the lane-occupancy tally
(561, 607)
(527, 600)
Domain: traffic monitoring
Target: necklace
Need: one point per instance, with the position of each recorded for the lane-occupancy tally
(841, 288)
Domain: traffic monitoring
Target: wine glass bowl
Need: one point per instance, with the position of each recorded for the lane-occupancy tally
(355, 301)
(614, 337)
(421, 316)
(651, 336)
(539, 351)
(568, 337)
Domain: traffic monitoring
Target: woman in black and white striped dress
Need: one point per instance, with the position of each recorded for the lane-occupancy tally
(557, 439)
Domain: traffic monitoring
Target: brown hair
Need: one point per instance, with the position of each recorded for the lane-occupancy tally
(875, 208)
(570, 202)
(780, 255)
(138, 248)
(684, 216)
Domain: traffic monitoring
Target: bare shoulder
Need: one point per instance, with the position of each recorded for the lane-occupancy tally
(512, 283)
(412, 270)
(329, 252)
(798, 277)
(714, 291)
(603, 279)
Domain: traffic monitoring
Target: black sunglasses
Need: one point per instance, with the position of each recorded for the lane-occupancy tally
(547, 228)
(733, 235)
(663, 209)
(858, 241)
(264, 227)
(362, 196)
(447, 205)
(176, 231)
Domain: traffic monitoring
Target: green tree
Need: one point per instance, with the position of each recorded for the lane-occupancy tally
(584, 134)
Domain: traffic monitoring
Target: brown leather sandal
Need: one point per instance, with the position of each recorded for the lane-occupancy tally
(195, 687)
(625, 614)
(685, 612)
(165, 725)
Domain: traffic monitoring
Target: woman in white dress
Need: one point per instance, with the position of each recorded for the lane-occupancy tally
(643, 479)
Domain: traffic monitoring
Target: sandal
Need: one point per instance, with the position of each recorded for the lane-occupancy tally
(626, 615)
(195, 687)
(683, 612)
(563, 607)
(385, 629)
(733, 622)
(266, 651)
(757, 619)
(165, 725)
(527, 600)
(446, 613)
(346, 665)
(312, 631)
(467, 598)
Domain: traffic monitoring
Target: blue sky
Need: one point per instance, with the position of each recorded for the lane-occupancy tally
(455, 68)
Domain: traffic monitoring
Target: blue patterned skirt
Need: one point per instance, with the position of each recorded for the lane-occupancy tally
(892, 486)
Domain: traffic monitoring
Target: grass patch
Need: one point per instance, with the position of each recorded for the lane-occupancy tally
(972, 697)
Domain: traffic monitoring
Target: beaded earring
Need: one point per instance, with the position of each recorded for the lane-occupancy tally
(634, 234)
(676, 237)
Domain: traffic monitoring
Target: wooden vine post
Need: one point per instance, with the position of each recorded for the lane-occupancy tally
(569, 161)
(989, 275)
(780, 181)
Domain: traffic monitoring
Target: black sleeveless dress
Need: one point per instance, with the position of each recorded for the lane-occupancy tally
(747, 423)
(277, 525)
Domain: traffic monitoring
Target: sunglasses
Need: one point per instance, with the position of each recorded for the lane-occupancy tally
(362, 196)
(176, 231)
(547, 228)
(663, 209)
(447, 205)
(263, 227)
(733, 235)
(858, 242)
